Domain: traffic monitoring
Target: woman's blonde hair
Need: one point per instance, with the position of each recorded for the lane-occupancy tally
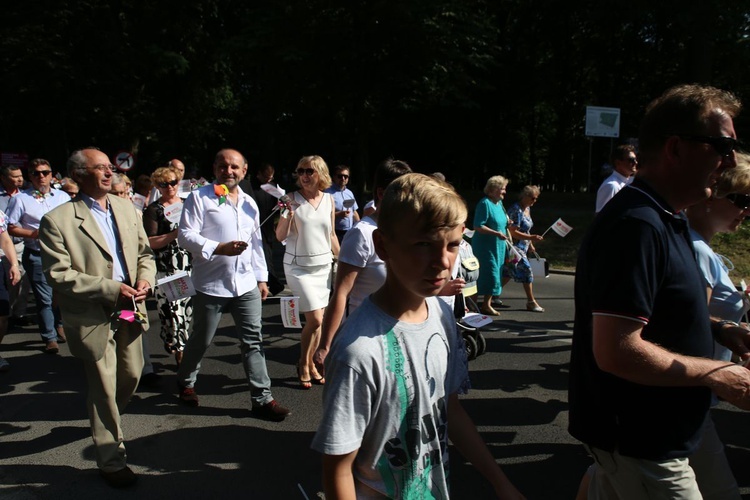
(428, 204)
(494, 182)
(163, 174)
(317, 163)
(530, 191)
(734, 180)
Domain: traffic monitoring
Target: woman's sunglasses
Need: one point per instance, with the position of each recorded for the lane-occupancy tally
(164, 185)
(305, 171)
(741, 201)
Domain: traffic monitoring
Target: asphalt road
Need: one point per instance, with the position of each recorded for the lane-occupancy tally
(518, 402)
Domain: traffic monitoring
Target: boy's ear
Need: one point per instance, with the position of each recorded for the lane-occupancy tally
(378, 241)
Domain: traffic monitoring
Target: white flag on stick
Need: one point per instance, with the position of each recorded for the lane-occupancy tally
(560, 227)
(274, 191)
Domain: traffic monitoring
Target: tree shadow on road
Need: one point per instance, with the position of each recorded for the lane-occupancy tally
(223, 461)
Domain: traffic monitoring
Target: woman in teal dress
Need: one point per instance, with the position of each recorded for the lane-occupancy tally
(489, 241)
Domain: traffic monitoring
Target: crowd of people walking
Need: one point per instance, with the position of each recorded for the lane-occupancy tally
(94, 247)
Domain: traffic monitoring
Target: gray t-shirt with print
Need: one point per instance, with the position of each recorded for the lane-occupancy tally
(386, 395)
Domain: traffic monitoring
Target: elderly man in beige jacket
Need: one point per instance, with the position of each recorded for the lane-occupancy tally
(97, 259)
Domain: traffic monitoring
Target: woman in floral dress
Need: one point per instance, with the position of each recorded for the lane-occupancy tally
(519, 216)
(161, 228)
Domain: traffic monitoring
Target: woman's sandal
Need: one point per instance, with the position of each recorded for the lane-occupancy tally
(319, 380)
(305, 384)
(534, 307)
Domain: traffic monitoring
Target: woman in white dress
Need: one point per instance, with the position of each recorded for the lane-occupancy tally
(307, 225)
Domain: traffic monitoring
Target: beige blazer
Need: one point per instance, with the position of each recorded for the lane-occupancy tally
(78, 267)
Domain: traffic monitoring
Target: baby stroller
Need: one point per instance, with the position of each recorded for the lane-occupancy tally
(468, 269)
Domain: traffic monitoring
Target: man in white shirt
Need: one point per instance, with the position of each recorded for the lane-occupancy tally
(11, 184)
(25, 211)
(625, 164)
(343, 198)
(219, 227)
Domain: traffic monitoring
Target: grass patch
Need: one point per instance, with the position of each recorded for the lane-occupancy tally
(735, 247)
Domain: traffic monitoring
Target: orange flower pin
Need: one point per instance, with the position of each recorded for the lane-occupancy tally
(221, 191)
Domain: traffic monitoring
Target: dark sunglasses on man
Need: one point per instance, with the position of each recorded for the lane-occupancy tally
(723, 145)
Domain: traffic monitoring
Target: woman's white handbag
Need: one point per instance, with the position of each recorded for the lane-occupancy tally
(539, 266)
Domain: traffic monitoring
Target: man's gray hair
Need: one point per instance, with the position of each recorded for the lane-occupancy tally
(77, 163)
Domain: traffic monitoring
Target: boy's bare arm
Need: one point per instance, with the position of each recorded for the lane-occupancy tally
(465, 436)
(338, 480)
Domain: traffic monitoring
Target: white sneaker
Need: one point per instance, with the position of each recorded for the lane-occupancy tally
(4, 365)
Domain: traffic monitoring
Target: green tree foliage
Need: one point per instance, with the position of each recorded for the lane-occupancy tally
(471, 88)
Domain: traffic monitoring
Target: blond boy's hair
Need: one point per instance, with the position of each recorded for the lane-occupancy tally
(428, 204)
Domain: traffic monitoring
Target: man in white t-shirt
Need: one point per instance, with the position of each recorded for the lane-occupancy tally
(625, 164)
(360, 270)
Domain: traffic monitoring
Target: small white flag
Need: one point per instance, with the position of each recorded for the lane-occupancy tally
(561, 228)
(515, 255)
(290, 312)
(139, 201)
(275, 191)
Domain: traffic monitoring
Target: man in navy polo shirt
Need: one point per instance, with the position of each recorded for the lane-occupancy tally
(641, 377)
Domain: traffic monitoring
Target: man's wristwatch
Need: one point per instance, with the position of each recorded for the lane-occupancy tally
(716, 326)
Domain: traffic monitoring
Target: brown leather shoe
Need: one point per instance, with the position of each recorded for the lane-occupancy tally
(52, 347)
(121, 478)
(271, 411)
(61, 338)
(188, 396)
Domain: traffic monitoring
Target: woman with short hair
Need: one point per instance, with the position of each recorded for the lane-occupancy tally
(307, 224)
(161, 228)
(489, 241)
(723, 212)
(520, 229)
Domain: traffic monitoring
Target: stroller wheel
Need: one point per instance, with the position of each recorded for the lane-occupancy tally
(481, 343)
(471, 347)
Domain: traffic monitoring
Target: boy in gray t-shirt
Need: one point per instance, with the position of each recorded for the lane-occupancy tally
(397, 365)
